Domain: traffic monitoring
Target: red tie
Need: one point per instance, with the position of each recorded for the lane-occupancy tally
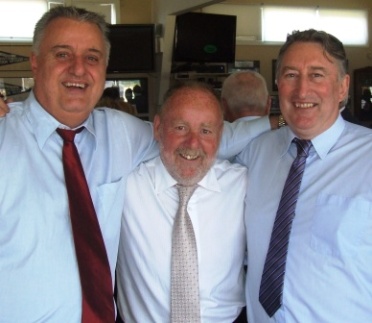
(94, 269)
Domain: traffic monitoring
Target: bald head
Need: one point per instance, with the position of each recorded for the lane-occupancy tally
(245, 94)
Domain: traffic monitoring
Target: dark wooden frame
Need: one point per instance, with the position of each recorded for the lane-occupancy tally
(362, 85)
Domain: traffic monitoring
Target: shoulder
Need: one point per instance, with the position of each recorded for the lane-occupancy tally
(357, 130)
(144, 174)
(121, 122)
(16, 112)
(226, 168)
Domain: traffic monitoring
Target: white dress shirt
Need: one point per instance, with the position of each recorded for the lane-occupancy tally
(39, 279)
(328, 274)
(217, 212)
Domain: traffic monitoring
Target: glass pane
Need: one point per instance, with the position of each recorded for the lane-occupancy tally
(278, 22)
(350, 26)
(15, 11)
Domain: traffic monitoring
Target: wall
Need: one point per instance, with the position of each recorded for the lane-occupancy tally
(358, 56)
(136, 11)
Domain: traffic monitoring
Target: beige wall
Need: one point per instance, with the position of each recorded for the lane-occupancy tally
(136, 11)
(358, 56)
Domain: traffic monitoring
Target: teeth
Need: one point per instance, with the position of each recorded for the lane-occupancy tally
(304, 105)
(190, 157)
(79, 85)
(190, 154)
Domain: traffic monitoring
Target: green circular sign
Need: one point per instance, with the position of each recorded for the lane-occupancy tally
(210, 49)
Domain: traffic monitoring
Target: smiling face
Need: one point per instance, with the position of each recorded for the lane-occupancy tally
(310, 89)
(189, 132)
(70, 70)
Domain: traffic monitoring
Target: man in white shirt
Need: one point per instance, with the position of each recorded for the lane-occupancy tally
(188, 130)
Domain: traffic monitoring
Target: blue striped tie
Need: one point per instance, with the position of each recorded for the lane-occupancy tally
(271, 288)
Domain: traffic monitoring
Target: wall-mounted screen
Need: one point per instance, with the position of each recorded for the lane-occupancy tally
(134, 91)
(132, 48)
(204, 38)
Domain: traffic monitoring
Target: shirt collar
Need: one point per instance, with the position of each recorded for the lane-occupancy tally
(322, 143)
(326, 140)
(163, 180)
(44, 124)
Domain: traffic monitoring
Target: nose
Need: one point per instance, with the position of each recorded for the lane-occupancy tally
(193, 139)
(77, 66)
(302, 86)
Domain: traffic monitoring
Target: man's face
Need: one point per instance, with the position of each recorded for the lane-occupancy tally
(70, 70)
(310, 89)
(189, 133)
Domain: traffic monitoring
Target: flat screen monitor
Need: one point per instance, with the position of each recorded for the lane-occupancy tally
(204, 38)
(134, 91)
(132, 48)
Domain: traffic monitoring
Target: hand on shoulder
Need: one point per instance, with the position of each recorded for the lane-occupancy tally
(4, 109)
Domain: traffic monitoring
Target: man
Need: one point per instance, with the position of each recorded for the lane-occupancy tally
(244, 94)
(188, 130)
(39, 277)
(39, 274)
(327, 274)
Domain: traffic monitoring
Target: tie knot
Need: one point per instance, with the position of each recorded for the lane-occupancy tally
(68, 135)
(303, 146)
(185, 193)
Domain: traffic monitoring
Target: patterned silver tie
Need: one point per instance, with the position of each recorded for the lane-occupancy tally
(185, 306)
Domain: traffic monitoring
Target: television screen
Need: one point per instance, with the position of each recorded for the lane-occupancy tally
(132, 48)
(204, 38)
(134, 91)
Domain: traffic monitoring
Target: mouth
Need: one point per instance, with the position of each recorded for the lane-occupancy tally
(189, 157)
(189, 154)
(304, 105)
(73, 85)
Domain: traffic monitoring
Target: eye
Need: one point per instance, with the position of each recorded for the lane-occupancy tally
(206, 131)
(180, 128)
(289, 75)
(62, 55)
(316, 75)
(93, 59)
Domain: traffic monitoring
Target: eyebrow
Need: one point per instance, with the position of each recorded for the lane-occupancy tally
(312, 68)
(93, 50)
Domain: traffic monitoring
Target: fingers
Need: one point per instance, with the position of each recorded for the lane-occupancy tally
(4, 109)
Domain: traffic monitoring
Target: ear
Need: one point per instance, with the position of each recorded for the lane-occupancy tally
(344, 87)
(156, 125)
(268, 105)
(226, 111)
(33, 63)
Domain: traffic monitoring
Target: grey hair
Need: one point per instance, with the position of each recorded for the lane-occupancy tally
(245, 90)
(74, 13)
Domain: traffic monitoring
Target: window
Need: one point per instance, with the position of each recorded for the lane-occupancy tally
(266, 24)
(29, 12)
(350, 26)
(18, 18)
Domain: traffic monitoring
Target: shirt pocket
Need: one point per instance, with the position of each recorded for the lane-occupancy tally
(111, 200)
(341, 226)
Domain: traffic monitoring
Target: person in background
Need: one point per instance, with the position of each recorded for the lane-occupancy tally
(326, 246)
(244, 94)
(129, 96)
(139, 99)
(188, 129)
(111, 98)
